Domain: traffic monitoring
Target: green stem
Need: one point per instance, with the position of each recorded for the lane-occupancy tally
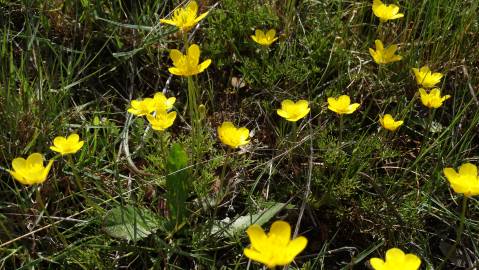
(341, 124)
(458, 233)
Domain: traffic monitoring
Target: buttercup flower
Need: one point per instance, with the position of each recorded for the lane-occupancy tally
(233, 136)
(188, 65)
(162, 120)
(342, 105)
(264, 39)
(396, 260)
(185, 18)
(386, 12)
(31, 170)
(142, 107)
(433, 99)
(466, 181)
(384, 56)
(389, 123)
(293, 111)
(69, 145)
(426, 78)
(162, 103)
(276, 248)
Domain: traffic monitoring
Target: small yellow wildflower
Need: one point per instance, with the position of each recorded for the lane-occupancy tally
(188, 65)
(433, 99)
(185, 18)
(396, 259)
(276, 248)
(293, 111)
(389, 123)
(233, 136)
(342, 105)
(466, 181)
(142, 107)
(69, 145)
(386, 12)
(384, 56)
(31, 170)
(426, 78)
(162, 120)
(162, 103)
(264, 39)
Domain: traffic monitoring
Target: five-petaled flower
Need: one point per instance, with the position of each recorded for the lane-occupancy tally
(30, 171)
(293, 111)
(389, 123)
(188, 65)
(426, 78)
(161, 120)
(386, 12)
(264, 39)
(342, 105)
(382, 55)
(162, 103)
(233, 136)
(465, 181)
(276, 248)
(185, 18)
(396, 259)
(142, 107)
(432, 99)
(68, 145)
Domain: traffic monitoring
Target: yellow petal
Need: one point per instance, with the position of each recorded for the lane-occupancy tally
(256, 256)
(451, 174)
(468, 169)
(282, 113)
(35, 159)
(175, 56)
(281, 231)
(205, 64)
(377, 263)
(19, 164)
(296, 246)
(201, 17)
(379, 45)
(59, 141)
(394, 256)
(256, 236)
(194, 54)
(73, 138)
(412, 262)
(192, 7)
(270, 34)
(171, 22)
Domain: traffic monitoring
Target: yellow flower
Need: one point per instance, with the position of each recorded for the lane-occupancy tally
(426, 78)
(276, 248)
(384, 56)
(31, 170)
(433, 99)
(396, 259)
(233, 136)
(389, 123)
(162, 103)
(342, 105)
(188, 65)
(466, 181)
(386, 12)
(162, 120)
(69, 145)
(142, 107)
(264, 39)
(185, 18)
(293, 111)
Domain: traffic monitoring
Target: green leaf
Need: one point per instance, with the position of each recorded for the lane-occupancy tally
(131, 223)
(243, 222)
(177, 183)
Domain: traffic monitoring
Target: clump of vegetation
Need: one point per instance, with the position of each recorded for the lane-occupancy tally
(168, 134)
